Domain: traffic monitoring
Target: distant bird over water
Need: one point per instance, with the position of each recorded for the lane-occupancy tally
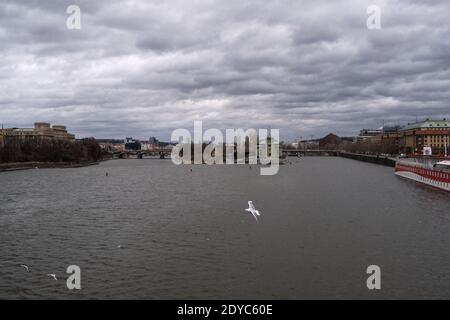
(26, 267)
(253, 211)
(52, 276)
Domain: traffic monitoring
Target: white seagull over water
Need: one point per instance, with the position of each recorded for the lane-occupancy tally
(26, 267)
(52, 276)
(252, 210)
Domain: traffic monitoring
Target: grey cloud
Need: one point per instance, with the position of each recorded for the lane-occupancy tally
(143, 68)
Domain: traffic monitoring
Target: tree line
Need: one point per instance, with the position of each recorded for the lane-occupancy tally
(372, 146)
(35, 149)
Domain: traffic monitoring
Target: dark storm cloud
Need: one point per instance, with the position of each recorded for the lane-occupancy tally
(143, 68)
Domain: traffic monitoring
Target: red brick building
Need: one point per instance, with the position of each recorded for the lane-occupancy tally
(329, 141)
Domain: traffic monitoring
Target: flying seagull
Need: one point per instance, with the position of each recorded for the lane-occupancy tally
(252, 210)
(26, 267)
(52, 276)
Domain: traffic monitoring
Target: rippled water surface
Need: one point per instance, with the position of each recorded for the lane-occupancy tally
(186, 235)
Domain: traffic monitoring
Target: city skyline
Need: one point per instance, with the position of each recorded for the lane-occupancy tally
(138, 68)
(355, 133)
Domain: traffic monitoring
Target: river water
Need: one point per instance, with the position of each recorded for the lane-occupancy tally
(153, 230)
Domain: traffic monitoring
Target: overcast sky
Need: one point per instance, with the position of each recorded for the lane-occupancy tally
(143, 68)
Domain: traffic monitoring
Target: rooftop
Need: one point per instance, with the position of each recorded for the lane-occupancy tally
(427, 124)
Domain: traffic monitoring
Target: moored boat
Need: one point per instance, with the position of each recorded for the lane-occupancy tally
(426, 171)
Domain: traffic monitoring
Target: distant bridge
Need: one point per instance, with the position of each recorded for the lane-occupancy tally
(162, 153)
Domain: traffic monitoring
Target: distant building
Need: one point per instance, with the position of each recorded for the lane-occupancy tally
(153, 143)
(389, 139)
(347, 139)
(41, 130)
(148, 146)
(308, 144)
(329, 141)
(366, 134)
(370, 132)
(385, 134)
(391, 129)
(429, 133)
(153, 140)
(111, 145)
(132, 145)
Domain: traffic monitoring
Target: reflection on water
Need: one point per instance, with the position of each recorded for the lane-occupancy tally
(185, 234)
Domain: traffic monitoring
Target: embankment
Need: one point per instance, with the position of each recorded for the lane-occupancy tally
(382, 160)
(42, 165)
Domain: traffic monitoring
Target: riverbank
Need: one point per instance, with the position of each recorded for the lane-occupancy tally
(17, 166)
(382, 160)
